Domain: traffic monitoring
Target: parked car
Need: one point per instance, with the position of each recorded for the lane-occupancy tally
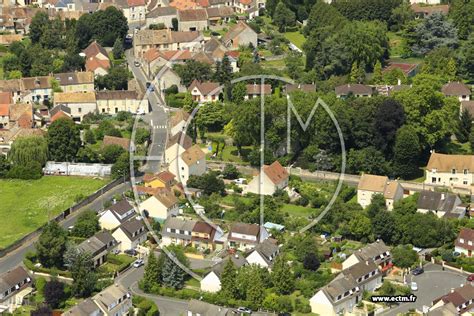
(136, 63)
(130, 252)
(138, 263)
(240, 181)
(470, 277)
(417, 271)
(244, 310)
(414, 286)
(150, 86)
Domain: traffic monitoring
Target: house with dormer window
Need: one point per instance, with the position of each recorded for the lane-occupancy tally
(116, 214)
(450, 170)
(264, 254)
(130, 234)
(114, 301)
(377, 252)
(15, 285)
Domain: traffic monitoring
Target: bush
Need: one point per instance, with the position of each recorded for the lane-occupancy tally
(171, 90)
(30, 171)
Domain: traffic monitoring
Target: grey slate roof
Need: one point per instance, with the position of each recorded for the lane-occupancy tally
(238, 261)
(84, 308)
(437, 201)
(205, 309)
(133, 228)
(268, 249)
(178, 225)
(12, 278)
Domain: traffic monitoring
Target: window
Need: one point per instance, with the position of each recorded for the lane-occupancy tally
(461, 240)
(465, 171)
(464, 182)
(453, 171)
(79, 110)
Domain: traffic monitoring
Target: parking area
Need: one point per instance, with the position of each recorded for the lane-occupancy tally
(433, 283)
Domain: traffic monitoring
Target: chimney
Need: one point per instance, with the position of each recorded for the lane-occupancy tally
(442, 196)
(452, 290)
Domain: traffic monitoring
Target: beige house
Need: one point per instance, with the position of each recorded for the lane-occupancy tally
(36, 89)
(377, 252)
(450, 170)
(114, 301)
(178, 122)
(203, 92)
(177, 231)
(274, 177)
(112, 102)
(240, 35)
(465, 242)
(82, 81)
(354, 89)
(372, 184)
(257, 90)
(191, 162)
(211, 281)
(193, 20)
(167, 78)
(458, 90)
(134, 10)
(156, 60)
(166, 40)
(80, 103)
(175, 147)
(161, 205)
(15, 285)
(130, 234)
(97, 59)
(161, 15)
(264, 254)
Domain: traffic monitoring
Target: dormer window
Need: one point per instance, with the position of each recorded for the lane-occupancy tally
(461, 240)
(453, 171)
(465, 171)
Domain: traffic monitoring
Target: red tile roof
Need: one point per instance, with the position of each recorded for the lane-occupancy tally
(276, 172)
(93, 63)
(4, 109)
(135, 3)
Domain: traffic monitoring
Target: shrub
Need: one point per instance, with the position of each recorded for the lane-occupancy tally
(30, 171)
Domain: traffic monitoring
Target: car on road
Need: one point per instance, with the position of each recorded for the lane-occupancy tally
(136, 63)
(470, 277)
(414, 286)
(131, 252)
(150, 86)
(138, 263)
(417, 271)
(244, 310)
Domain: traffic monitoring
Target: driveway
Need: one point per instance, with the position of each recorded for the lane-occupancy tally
(433, 283)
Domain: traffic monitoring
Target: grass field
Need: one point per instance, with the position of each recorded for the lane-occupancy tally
(296, 38)
(28, 203)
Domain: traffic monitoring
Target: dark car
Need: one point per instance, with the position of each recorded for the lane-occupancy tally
(131, 252)
(417, 271)
(470, 277)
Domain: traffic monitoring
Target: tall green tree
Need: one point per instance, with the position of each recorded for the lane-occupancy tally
(435, 31)
(283, 17)
(25, 150)
(378, 76)
(38, 25)
(51, 245)
(54, 293)
(172, 275)
(406, 153)
(404, 256)
(87, 224)
(229, 288)
(464, 126)
(81, 266)
(117, 50)
(282, 278)
(63, 140)
(153, 272)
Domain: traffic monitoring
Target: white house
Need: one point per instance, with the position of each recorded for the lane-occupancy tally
(168, 78)
(376, 252)
(465, 242)
(130, 234)
(203, 92)
(114, 301)
(175, 147)
(178, 122)
(15, 285)
(81, 81)
(244, 236)
(177, 231)
(37, 89)
(116, 214)
(274, 177)
(240, 35)
(211, 281)
(343, 293)
(161, 205)
(191, 162)
(164, 15)
(134, 11)
(264, 254)
(112, 102)
(450, 170)
(200, 308)
(458, 90)
(257, 90)
(369, 185)
(443, 204)
(97, 59)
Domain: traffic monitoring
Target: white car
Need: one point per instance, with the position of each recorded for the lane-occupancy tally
(240, 181)
(244, 310)
(414, 286)
(138, 263)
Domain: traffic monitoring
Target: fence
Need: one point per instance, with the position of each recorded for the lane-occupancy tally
(62, 216)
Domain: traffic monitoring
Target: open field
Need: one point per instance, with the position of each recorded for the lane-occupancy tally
(296, 38)
(25, 205)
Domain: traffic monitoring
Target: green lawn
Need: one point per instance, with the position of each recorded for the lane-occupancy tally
(296, 38)
(395, 42)
(29, 203)
(298, 210)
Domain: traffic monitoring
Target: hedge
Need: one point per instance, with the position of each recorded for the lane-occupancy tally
(31, 266)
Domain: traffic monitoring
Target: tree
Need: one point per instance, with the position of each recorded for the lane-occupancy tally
(462, 14)
(111, 153)
(42, 310)
(38, 25)
(116, 79)
(377, 205)
(89, 137)
(404, 256)
(208, 183)
(51, 245)
(228, 280)
(464, 126)
(193, 70)
(25, 150)
(223, 73)
(174, 23)
(282, 276)
(283, 17)
(471, 139)
(357, 74)
(294, 64)
(239, 91)
(4, 166)
(378, 76)
(81, 266)
(87, 224)
(230, 172)
(401, 15)
(311, 261)
(367, 160)
(466, 58)
(389, 117)
(117, 50)
(435, 31)
(63, 140)
(121, 168)
(54, 293)
(172, 274)
(153, 271)
(406, 153)
(360, 227)
(383, 224)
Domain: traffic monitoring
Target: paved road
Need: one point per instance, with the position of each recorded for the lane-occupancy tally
(432, 284)
(15, 258)
(157, 118)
